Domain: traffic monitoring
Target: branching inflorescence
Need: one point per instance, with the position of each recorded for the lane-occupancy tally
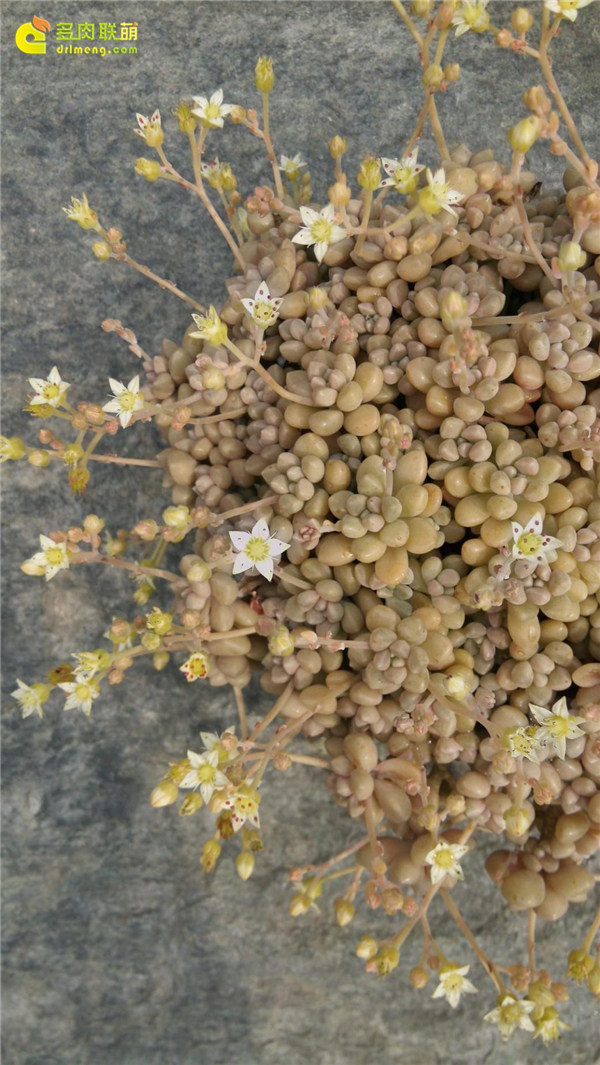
(405, 481)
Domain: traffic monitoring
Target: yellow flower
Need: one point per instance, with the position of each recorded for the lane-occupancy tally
(80, 211)
(210, 327)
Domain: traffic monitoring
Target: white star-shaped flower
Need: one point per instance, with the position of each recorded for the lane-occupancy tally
(471, 15)
(402, 174)
(319, 229)
(150, 128)
(225, 745)
(550, 1026)
(49, 390)
(210, 327)
(195, 667)
(30, 699)
(264, 308)
(81, 694)
(204, 774)
(453, 984)
(524, 743)
(127, 399)
(291, 166)
(52, 558)
(444, 860)
(566, 8)
(438, 195)
(558, 725)
(530, 541)
(90, 662)
(243, 805)
(256, 549)
(511, 1013)
(213, 111)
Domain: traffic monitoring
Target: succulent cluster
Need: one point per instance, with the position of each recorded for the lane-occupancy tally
(383, 452)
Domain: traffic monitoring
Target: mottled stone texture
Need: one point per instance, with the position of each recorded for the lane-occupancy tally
(117, 949)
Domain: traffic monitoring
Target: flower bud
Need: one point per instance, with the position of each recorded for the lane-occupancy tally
(571, 256)
(453, 309)
(102, 250)
(452, 72)
(580, 965)
(164, 794)
(38, 458)
(93, 524)
(244, 864)
(213, 379)
(421, 8)
(281, 642)
(337, 146)
(159, 621)
(176, 517)
(344, 911)
(237, 114)
(521, 20)
(147, 529)
(298, 905)
(12, 447)
(535, 99)
(147, 168)
(160, 659)
(264, 78)
(433, 76)
(185, 119)
(524, 135)
(151, 641)
(366, 948)
(228, 178)
(593, 981)
(418, 976)
(503, 38)
(369, 175)
(517, 821)
(339, 194)
(210, 855)
(190, 804)
(386, 960)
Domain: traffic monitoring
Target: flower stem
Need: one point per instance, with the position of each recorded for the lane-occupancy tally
(266, 136)
(488, 965)
(121, 563)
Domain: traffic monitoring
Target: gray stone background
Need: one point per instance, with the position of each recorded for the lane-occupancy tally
(118, 950)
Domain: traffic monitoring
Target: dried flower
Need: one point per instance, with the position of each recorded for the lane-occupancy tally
(210, 327)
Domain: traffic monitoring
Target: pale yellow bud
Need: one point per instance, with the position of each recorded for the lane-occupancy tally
(93, 524)
(421, 8)
(524, 135)
(185, 119)
(337, 146)
(369, 175)
(190, 804)
(38, 458)
(453, 309)
(366, 948)
(317, 298)
(452, 72)
(164, 794)
(571, 256)
(517, 821)
(521, 20)
(210, 855)
(199, 572)
(160, 659)
(433, 76)
(339, 194)
(102, 250)
(244, 864)
(213, 379)
(147, 168)
(418, 976)
(344, 911)
(176, 517)
(150, 640)
(12, 448)
(264, 79)
(281, 642)
(298, 905)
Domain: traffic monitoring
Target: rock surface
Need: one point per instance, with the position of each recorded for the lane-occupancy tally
(118, 950)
